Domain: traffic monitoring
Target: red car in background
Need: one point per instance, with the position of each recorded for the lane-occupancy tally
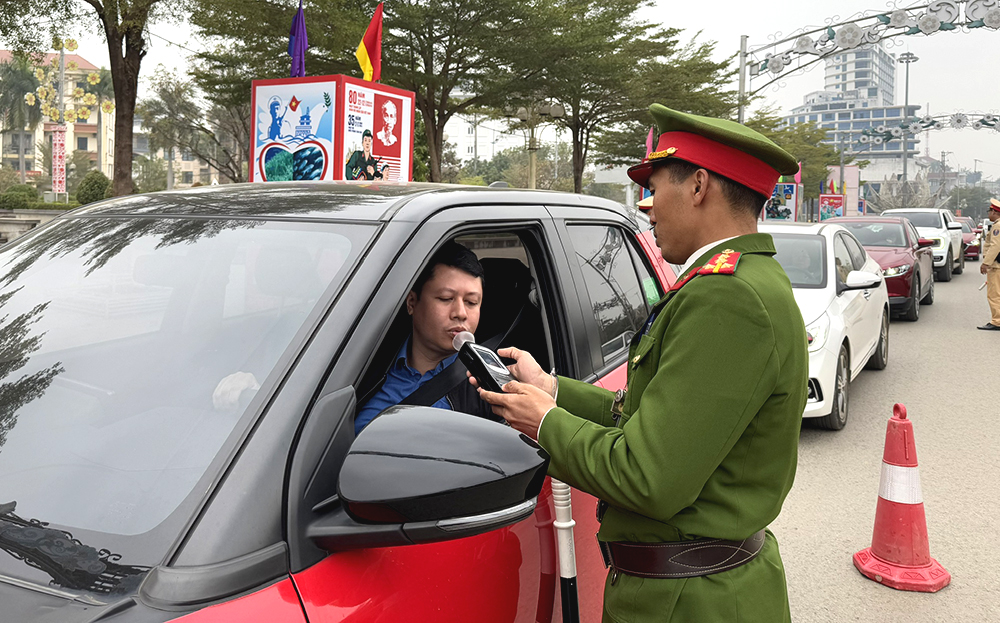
(971, 237)
(906, 259)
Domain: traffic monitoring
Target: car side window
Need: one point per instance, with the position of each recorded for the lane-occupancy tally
(858, 255)
(842, 258)
(914, 236)
(618, 298)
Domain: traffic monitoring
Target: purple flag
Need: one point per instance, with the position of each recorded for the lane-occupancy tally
(298, 43)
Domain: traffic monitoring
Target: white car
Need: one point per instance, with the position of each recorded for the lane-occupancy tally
(845, 306)
(945, 230)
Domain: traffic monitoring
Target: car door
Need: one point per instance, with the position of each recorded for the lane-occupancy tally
(954, 234)
(925, 257)
(851, 305)
(506, 575)
(875, 298)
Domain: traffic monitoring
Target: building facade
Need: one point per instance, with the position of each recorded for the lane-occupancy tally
(94, 135)
(859, 95)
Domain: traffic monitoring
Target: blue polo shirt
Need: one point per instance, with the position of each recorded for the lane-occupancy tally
(400, 382)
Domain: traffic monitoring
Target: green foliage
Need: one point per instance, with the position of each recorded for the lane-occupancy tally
(150, 174)
(614, 192)
(13, 201)
(29, 191)
(971, 200)
(610, 65)
(93, 187)
(802, 140)
(78, 165)
(175, 118)
(8, 177)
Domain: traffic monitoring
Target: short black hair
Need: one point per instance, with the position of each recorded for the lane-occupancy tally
(454, 255)
(739, 196)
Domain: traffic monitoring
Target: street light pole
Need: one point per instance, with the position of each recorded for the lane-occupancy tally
(906, 58)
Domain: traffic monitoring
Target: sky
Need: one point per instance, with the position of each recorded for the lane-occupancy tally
(955, 72)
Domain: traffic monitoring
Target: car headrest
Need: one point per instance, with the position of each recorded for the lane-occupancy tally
(507, 288)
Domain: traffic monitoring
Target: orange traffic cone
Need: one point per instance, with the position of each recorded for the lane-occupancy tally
(900, 556)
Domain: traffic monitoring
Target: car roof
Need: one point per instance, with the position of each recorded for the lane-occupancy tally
(338, 201)
(868, 219)
(898, 210)
(786, 227)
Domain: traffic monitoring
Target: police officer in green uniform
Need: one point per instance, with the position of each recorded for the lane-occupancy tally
(694, 460)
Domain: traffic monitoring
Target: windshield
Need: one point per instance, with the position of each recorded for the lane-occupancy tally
(878, 234)
(803, 257)
(921, 219)
(130, 350)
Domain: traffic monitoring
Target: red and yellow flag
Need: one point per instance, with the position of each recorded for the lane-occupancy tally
(369, 52)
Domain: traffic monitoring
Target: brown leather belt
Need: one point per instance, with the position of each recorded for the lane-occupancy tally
(681, 559)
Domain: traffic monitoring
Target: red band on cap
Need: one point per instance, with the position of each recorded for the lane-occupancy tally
(727, 161)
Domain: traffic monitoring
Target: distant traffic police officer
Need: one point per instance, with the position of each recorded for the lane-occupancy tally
(991, 266)
(695, 459)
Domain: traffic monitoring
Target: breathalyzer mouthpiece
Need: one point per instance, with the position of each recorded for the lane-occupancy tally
(461, 338)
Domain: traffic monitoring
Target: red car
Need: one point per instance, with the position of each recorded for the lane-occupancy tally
(906, 259)
(971, 237)
(134, 489)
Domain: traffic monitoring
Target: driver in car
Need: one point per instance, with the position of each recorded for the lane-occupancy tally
(445, 300)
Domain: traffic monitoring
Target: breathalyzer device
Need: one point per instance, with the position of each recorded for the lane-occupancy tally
(483, 363)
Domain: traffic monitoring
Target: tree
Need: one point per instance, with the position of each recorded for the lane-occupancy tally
(457, 55)
(971, 200)
(17, 90)
(78, 166)
(28, 26)
(804, 141)
(687, 80)
(150, 174)
(104, 91)
(92, 188)
(176, 120)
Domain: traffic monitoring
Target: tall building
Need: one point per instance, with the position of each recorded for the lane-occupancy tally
(860, 95)
(863, 75)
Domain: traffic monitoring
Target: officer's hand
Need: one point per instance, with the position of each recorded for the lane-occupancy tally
(522, 405)
(983, 268)
(526, 369)
(371, 170)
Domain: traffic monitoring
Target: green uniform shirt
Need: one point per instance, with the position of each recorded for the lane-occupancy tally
(707, 442)
(357, 167)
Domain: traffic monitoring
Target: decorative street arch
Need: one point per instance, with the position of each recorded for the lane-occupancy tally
(784, 56)
(958, 121)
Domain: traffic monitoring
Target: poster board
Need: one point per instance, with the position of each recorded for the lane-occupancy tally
(308, 129)
(784, 203)
(830, 206)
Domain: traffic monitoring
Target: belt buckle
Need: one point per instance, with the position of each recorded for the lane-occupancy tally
(606, 556)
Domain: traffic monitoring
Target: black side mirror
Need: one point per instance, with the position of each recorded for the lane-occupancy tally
(420, 475)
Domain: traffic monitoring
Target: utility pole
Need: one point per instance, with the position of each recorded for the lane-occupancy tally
(906, 58)
(743, 79)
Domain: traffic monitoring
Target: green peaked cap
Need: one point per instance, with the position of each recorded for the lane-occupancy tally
(735, 135)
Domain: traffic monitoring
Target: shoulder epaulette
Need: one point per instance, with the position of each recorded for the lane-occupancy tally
(722, 264)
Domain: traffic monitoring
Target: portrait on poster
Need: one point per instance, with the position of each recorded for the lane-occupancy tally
(293, 131)
(377, 141)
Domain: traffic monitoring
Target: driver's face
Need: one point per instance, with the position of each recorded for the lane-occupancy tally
(449, 303)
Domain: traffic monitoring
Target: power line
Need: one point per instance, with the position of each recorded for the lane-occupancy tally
(174, 43)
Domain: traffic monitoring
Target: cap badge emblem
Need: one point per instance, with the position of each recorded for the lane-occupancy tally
(663, 153)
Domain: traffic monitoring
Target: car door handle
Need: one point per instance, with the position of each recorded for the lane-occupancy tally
(867, 294)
